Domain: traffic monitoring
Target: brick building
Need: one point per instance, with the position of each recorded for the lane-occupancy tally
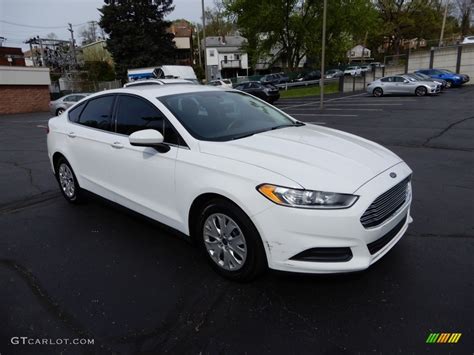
(22, 89)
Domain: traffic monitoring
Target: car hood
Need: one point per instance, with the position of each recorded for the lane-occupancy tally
(316, 158)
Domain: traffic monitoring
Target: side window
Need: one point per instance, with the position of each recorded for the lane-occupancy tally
(386, 80)
(134, 114)
(67, 98)
(399, 79)
(97, 113)
(76, 112)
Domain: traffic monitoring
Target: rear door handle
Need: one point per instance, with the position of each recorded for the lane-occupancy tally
(71, 135)
(117, 145)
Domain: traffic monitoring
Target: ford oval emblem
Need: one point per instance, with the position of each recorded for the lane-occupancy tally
(393, 175)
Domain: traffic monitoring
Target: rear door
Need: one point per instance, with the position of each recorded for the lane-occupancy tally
(89, 137)
(388, 85)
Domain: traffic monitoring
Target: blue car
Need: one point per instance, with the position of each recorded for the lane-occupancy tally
(452, 79)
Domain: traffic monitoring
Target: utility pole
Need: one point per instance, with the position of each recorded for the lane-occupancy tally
(323, 53)
(444, 24)
(199, 46)
(93, 30)
(73, 46)
(204, 41)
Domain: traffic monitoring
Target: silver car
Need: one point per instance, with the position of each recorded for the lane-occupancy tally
(60, 105)
(400, 84)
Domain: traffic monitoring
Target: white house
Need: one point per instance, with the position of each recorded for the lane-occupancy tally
(359, 54)
(225, 57)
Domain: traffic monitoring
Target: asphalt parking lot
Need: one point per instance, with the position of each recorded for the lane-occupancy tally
(95, 271)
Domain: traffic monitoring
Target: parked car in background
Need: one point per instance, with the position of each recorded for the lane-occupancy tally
(423, 77)
(451, 78)
(365, 68)
(400, 85)
(223, 83)
(266, 92)
(157, 82)
(274, 79)
(284, 78)
(57, 107)
(353, 70)
(468, 39)
(312, 75)
(376, 65)
(333, 73)
(253, 187)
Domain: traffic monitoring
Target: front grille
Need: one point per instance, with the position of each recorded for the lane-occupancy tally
(377, 245)
(385, 205)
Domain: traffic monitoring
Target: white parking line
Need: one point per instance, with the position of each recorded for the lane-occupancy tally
(321, 114)
(316, 101)
(337, 109)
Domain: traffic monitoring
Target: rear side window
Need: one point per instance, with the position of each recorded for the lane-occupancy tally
(134, 114)
(76, 112)
(97, 113)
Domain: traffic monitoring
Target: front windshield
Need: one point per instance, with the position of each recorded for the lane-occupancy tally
(224, 115)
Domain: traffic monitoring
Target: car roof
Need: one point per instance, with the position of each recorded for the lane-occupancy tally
(154, 91)
(158, 81)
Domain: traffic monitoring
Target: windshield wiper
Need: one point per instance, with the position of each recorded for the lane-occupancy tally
(296, 124)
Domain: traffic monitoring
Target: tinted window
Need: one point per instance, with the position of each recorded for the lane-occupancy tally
(97, 113)
(399, 79)
(76, 112)
(224, 115)
(388, 79)
(134, 114)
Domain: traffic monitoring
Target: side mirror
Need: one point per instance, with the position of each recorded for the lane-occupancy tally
(406, 81)
(148, 138)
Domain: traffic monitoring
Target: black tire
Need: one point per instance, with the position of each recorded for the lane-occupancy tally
(59, 111)
(74, 195)
(421, 91)
(255, 262)
(449, 84)
(377, 92)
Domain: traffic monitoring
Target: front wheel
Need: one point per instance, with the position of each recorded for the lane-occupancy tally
(68, 182)
(377, 92)
(60, 111)
(421, 91)
(230, 241)
(449, 84)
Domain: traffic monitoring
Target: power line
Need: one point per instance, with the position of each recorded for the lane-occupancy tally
(41, 27)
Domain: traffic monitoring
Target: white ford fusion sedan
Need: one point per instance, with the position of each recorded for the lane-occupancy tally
(252, 186)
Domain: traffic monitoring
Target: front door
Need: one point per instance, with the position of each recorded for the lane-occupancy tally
(143, 177)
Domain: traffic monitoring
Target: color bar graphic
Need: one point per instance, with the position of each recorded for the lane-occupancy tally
(443, 338)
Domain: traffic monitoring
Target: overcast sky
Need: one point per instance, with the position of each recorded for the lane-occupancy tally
(56, 14)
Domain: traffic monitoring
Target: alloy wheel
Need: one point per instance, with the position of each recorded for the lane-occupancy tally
(420, 91)
(66, 180)
(224, 242)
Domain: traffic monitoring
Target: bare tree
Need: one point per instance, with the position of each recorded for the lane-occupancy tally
(465, 8)
(89, 33)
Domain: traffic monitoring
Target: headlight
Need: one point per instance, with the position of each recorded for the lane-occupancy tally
(306, 198)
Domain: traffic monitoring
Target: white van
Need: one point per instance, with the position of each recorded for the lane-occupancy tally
(163, 72)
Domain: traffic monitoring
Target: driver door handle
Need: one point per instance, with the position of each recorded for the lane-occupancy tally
(71, 135)
(117, 145)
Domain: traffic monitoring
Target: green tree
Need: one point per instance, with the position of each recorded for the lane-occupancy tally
(406, 19)
(137, 33)
(291, 29)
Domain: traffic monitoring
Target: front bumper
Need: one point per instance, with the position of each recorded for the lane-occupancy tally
(287, 231)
